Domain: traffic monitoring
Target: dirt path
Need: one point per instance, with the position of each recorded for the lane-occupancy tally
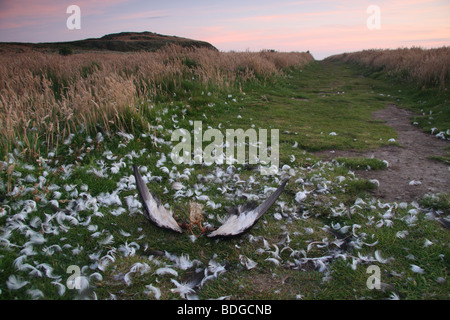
(407, 163)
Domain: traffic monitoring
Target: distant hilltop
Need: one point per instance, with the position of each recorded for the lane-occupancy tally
(123, 42)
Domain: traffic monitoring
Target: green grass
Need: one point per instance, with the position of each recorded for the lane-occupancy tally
(327, 110)
(306, 106)
(437, 202)
(445, 159)
(362, 163)
(430, 105)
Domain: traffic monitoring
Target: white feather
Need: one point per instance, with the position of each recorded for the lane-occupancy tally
(15, 282)
(379, 258)
(416, 269)
(166, 270)
(184, 289)
(300, 196)
(402, 234)
(427, 243)
(97, 276)
(108, 240)
(275, 253)
(236, 224)
(61, 288)
(394, 296)
(143, 268)
(35, 293)
(247, 262)
(320, 265)
(151, 289)
(48, 270)
(19, 262)
(275, 261)
(215, 267)
(118, 211)
(183, 262)
(83, 283)
(127, 278)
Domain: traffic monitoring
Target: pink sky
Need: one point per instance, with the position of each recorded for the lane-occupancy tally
(323, 27)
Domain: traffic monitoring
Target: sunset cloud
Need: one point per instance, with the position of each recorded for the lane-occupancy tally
(324, 27)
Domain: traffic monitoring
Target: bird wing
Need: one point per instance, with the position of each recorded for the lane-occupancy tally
(246, 216)
(152, 207)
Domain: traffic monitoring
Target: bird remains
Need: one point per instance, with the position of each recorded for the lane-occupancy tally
(241, 219)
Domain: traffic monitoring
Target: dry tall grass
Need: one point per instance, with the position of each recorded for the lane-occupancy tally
(44, 97)
(426, 68)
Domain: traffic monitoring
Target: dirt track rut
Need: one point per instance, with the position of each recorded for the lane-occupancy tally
(407, 163)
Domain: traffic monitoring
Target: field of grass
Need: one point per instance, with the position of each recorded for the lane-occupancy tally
(423, 76)
(45, 98)
(74, 205)
(424, 68)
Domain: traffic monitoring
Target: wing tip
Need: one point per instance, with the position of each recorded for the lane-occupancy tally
(142, 188)
(248, 206)
(213, 235)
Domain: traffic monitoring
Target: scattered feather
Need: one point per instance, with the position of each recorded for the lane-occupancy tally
(15, 282)
(247, 262)
(153, 290)
(183, 289)
(166, 270)
(35, 293)
(417, 269)
(61, 288)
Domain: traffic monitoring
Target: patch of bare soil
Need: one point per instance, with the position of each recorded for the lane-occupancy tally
(407, 163)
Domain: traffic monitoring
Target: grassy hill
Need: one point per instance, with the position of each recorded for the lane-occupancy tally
(123, 42)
